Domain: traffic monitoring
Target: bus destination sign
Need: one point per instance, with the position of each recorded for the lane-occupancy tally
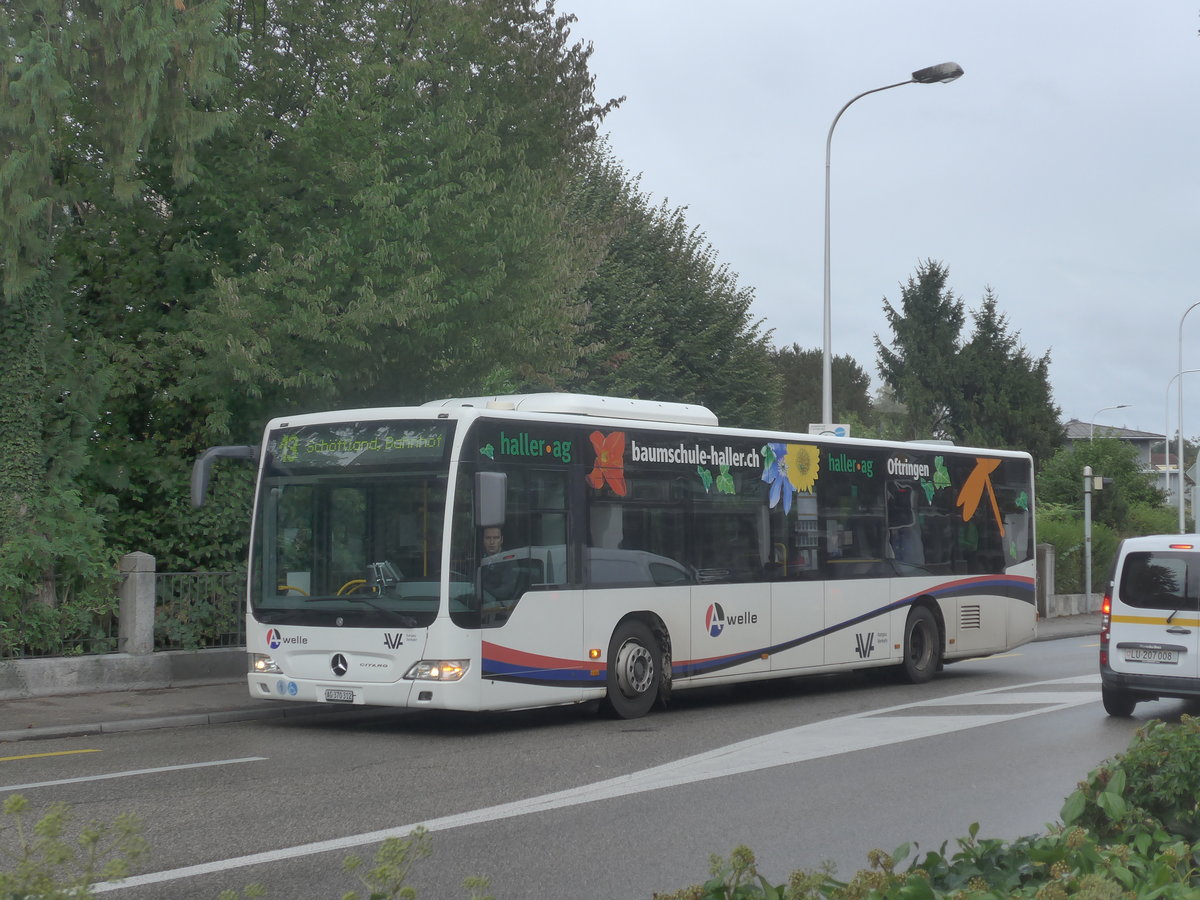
(347, 444)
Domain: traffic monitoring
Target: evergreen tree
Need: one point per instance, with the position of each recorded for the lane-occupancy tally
(1006, 399)
(987, 391)
(920, 365)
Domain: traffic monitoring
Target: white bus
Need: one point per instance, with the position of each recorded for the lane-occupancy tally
(530, 550)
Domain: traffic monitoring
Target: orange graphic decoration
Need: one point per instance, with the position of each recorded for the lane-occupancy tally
(610, 462)
(971, 494)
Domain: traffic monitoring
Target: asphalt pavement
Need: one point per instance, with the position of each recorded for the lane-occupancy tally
(220, 703)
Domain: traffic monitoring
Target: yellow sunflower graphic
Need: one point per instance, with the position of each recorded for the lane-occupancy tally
(801, 465)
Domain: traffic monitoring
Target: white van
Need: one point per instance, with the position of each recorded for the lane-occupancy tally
(1150, 630)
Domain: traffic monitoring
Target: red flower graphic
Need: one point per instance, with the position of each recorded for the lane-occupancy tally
(610, 462)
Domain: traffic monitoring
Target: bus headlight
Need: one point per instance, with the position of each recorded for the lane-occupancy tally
(261, 664)
(438, 670)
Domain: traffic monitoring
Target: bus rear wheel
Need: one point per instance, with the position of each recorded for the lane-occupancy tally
(634, 671)
(922, 646)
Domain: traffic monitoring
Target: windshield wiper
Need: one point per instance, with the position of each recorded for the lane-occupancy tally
(406, 621)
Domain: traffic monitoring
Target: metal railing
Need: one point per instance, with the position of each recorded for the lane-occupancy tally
(192, 611)
(199, 610)
(36, 630)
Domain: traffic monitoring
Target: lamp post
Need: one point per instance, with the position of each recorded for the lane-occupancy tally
(939, 74)
(1092, 432)
(1182, 525)
(1166, 431)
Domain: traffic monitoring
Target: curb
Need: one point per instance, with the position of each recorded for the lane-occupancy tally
(220, 717)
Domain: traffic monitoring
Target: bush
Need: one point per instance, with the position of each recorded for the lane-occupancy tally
(1154, 784)
(43, 863)
(1145, 519)
(1067, 537)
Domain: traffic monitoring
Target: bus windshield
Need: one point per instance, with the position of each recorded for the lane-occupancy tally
(349, 529)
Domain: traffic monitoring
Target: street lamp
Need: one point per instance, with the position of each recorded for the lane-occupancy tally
(1166, 431)
(1092, 433)
(939, 74)
(1182, 525)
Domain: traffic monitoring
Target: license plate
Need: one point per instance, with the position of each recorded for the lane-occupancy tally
(337, 695)
(1151, 655)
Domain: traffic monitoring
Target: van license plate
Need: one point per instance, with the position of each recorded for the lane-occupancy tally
(335, 695)
(1149, 655)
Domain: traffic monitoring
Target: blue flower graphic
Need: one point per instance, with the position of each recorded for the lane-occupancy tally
(775, 475)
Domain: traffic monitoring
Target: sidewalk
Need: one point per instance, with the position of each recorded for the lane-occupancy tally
(105, 712)
(214, 704)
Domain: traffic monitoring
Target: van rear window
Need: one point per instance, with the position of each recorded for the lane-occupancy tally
(1160, 580)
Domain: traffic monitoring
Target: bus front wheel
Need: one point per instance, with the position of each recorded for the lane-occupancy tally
(922, 646)
(634, 670)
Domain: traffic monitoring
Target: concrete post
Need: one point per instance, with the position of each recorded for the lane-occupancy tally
(1045, 578)
(135, 634)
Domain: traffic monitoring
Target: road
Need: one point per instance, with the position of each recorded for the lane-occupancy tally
(558, 803)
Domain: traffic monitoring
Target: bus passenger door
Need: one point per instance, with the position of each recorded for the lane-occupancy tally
(535, 655)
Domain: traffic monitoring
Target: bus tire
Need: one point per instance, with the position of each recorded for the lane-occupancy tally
(634, 671)
(1117, 703)
(922, 646)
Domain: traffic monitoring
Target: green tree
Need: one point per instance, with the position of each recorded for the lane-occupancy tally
(1005, 397)
(1060, 481)
(391, 207)
(800, 373)
(920, 365)
(88, 89)
(665, 319)
(386, 220)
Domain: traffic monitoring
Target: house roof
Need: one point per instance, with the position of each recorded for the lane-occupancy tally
(1082, 431)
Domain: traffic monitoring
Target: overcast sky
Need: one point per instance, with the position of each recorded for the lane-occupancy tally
(1062, 170)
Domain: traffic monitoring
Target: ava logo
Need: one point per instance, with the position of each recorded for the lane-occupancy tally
(714, 620)
(864, 644)
(275, 639)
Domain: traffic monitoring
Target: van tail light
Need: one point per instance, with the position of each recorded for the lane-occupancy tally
(1105, 626)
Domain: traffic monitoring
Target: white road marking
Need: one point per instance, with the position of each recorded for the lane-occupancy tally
(861, 731)
(107, 775)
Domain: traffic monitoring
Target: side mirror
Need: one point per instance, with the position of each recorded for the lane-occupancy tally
(202, 466)
(491, 493)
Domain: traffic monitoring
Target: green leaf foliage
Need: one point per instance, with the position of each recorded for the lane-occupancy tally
(90, 90)
(1060, 481)
(332, 205)
(388, 220)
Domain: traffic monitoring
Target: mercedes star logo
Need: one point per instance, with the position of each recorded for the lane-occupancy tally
(339, 665)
